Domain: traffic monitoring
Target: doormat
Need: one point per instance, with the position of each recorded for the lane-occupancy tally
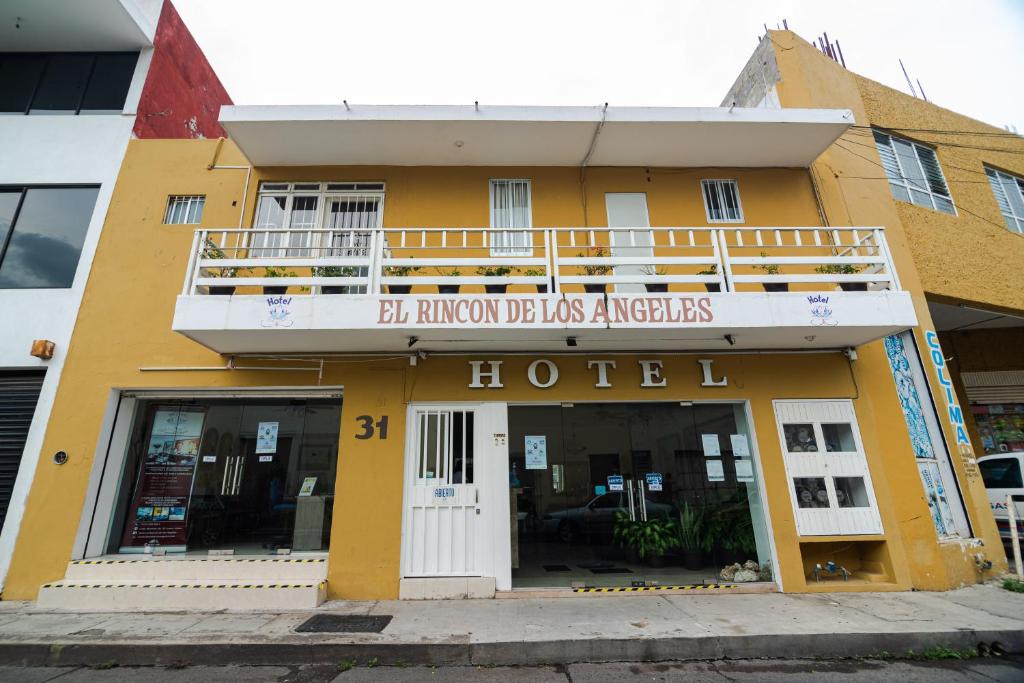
(611, 570)
(556, 568)
(344, 623)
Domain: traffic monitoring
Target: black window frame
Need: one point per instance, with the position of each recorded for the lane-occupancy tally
(47, 56)
(23, 190)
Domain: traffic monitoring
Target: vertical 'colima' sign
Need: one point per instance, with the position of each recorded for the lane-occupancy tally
(956, 415)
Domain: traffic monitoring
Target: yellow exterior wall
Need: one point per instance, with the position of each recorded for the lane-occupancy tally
(124, 325)
(854, 191)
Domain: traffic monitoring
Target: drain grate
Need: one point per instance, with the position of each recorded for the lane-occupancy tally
(344, 623)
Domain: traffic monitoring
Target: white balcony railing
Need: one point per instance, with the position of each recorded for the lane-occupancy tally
(556, 260)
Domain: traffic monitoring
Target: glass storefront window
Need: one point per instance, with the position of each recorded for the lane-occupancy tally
(811, 492)
(838, 437)
(850, 492)
(1001, 426)
(800, 438)
(601, 463)
(252, 475)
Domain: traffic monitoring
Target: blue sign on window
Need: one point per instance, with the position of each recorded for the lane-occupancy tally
(615, 482)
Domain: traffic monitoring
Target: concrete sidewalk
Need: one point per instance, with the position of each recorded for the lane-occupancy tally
(531, 631)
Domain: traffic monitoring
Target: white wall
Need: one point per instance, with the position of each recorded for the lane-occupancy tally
(54, 150)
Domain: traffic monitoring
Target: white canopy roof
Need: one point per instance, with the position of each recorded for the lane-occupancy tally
(458, 135)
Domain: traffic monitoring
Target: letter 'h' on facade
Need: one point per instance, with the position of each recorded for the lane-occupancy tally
(493, 375)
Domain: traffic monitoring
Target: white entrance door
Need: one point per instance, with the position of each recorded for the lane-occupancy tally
(827, 471)
(629, 210)
(451, 489)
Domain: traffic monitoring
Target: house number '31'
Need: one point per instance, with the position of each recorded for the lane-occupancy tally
(370, 427)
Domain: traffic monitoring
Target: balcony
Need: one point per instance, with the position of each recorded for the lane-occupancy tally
(586, 289)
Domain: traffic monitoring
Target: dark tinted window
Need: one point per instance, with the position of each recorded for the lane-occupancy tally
(108, 86)
(8, 205)
(63, 83)
(44, 246)
(18, 77)
(1001, 473)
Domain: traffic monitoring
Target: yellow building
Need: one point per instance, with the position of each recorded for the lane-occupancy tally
(956, 187)
(381, 352)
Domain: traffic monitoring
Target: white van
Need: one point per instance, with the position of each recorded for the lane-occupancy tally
(1002, 475)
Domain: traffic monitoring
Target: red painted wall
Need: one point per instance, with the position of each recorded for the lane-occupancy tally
(182, 95)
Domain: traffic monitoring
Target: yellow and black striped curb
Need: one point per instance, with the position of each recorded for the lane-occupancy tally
(637, 589)
(185, 585)
(206, 559)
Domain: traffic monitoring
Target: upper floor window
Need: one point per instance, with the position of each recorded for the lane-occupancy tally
(511, 207)
(1009, 192)
(334, 218)
(722, 201)
(914, 173)
(65, 82)
(42, 230)
(184, 209)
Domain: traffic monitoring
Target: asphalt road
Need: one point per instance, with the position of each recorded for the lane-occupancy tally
(1002, 670)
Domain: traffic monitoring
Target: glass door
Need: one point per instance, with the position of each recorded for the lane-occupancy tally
(608, 471)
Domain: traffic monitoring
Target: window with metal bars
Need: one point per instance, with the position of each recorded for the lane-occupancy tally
(184, 209)
(722, 201)
(1009, 192)
(914, 173)
(511, 207)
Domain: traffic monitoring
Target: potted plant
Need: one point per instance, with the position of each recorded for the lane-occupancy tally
(212, 251)
(600, 269)
(448, 289)
(533, 272)
(496, 271)
(334, 271)
(400, 271)
(730, 529)
(272, 271)
(655, 286)
(844, 269)
(711, 286)
(772, 269)
(650, 539)
(693, 540)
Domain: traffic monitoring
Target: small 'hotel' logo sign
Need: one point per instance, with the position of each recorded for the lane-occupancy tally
(821, 313)
(278, 312)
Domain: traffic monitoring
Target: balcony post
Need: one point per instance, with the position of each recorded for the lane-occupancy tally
(724, 263)
(373, 271)
(188, 288)
(551, 235)
(883, 245)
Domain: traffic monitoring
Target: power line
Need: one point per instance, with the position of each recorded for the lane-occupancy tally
(1002, 150)
(1001, 226)
(946, 131)
(947, 164)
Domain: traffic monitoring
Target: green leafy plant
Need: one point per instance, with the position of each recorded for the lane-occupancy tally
(495, 271)
(838, 269)
(652, 537)
(212, 251)
(533, 272)
(713, 270)
(769, 268)
(599, 269)
(729, 524)
(333, 271)
(691, 529)
(448, 272)
(273, 271)
(1014, 585)
(400, 271)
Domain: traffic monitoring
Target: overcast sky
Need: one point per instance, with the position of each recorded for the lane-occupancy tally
(969, 56)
